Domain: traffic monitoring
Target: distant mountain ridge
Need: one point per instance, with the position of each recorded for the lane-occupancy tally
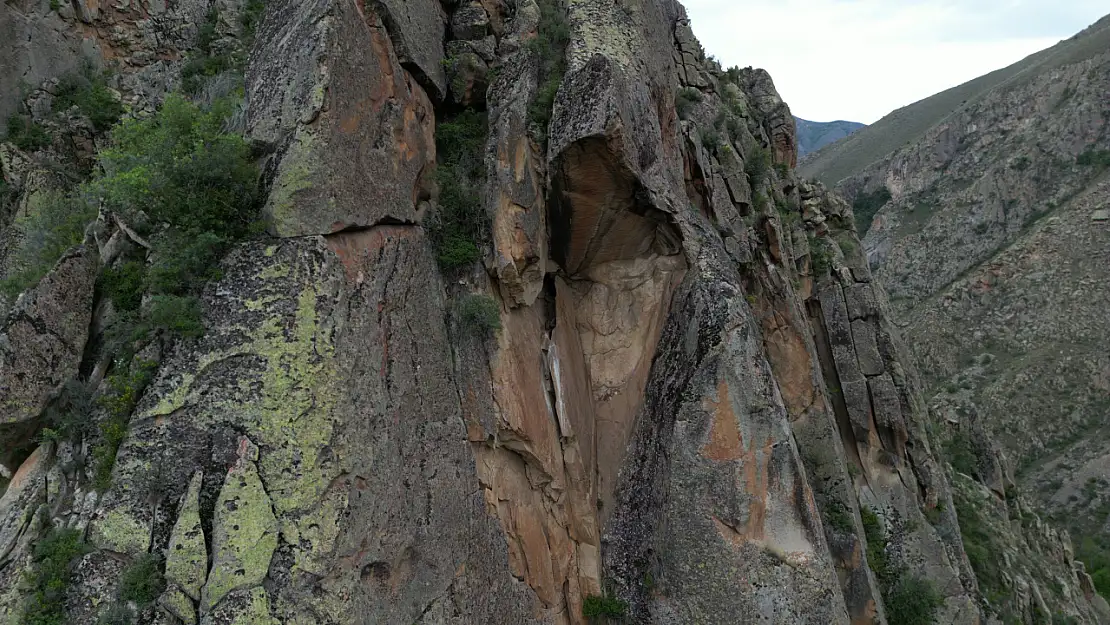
(813, 136)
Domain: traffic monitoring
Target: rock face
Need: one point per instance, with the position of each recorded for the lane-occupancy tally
(992, 248)
(683, 392)
(42, 342)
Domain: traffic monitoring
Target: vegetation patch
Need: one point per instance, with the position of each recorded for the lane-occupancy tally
(479, 314)
(50, 576)
(126, 386)
(961, 454)
(25, 134)
(757, 165)
(549, 48)
(867, 205)
(143, 582)
(595, 606)
(839, 518)
(89, 92)
(685, 100)
(460, 227)
(1094, 158)
(56, 222)
(909, 599)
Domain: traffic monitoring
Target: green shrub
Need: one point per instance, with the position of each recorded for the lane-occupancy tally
(820, 256)
(1094, 158)
(783, 170)
(184, 264)
(50, 576)
(961, 454)
(980, 547)
(912, 601)
(89, 92)
(56, 222)
(143, 582)
(116, 614)
(125, 388)
(479, 314)
(866, 205)
(839, 518)
(685, 101)
(1020, 163)
(177, 315)
(594, 606)
(251, 17)
(123, 284)
(181, 168)
(877, 557)
(25, 134)
(1093, 552)
(198, 70)
(757, 165)
(710, 138)
(460, 225)
(909, 600)
(549, 48)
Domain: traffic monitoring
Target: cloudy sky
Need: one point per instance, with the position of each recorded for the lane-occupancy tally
(861, 59)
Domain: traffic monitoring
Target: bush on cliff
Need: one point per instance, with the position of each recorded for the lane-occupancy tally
(460, 225)
(56, 221)
(549, 48)
(50, 576)
(866, 205)
(89, 92)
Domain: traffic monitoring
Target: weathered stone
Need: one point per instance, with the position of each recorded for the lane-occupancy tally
(468, 77)
(244, 532)
(353, 127)
(187, 554)
(41, 344)
(888, 411)
(24, 493)
(861, 301)
(867, 350)
(470, 21)
(417, 29)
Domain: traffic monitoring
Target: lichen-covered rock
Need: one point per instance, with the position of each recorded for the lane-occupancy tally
(244, 531)
(353, 128)
(187, 553)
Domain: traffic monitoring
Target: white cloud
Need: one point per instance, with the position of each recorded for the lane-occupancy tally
(861, 59)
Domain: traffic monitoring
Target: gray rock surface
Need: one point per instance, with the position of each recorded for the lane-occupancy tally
(42, 341)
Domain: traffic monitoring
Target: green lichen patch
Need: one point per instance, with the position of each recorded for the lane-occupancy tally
(178, 604)
(187, 556)
(121, 531)
(245, 532)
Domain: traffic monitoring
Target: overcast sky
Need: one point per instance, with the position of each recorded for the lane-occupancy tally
(860, 59)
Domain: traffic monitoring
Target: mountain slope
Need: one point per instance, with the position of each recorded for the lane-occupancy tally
(813, 136)
(990, 233)
(851, 156)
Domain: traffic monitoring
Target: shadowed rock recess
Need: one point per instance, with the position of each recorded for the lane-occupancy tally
(681, 399)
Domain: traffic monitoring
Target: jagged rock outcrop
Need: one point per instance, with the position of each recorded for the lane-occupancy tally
(681, 390)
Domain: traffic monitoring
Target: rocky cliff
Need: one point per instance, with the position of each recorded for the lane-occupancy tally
(543, 328)
(990, 233)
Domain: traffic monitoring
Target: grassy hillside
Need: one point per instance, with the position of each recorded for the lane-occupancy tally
(853, 154)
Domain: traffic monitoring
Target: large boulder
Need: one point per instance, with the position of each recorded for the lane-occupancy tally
(42, 341)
